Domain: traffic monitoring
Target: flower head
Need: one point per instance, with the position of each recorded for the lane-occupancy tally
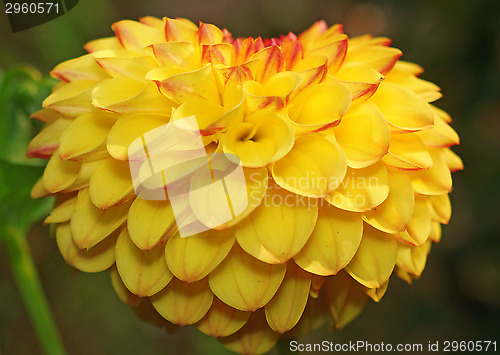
(346, 167)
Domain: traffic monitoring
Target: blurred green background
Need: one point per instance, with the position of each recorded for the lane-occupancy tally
(458, 296)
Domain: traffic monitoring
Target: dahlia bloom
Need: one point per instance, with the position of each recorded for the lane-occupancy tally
(347, 168)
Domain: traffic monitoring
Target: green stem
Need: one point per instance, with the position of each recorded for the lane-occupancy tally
(31, 291)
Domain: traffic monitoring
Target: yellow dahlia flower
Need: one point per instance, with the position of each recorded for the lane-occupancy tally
(346, 167)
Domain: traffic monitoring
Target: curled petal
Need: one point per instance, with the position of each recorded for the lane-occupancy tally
(361, 80)
(205, 252)
(60, 174)
(98, 258)
(81, 68)
(433, 181)
(419, 227)
(376, 294)
(135, 35)
(286, 307)
(441, 134)
(278, 229)
(63, 211)
(380, 58)
(46, 115)
(209, 34)
(314, 167)
(402, 108)
(128, 129)
(333, 242)
(254, 338)
(412, 259)
(106, 43)
(270, 61)
(394, 214)
(148, 222)
(90, 225)
(71, 99)
(363, 135)
(84, 134)
(145, 273)
(375, 259)
(345, 298)
(222, 320)
(362, 189)
(245, 283)
(183, 303)
(264, 138)
(408, 152)
(47, 141)
(111, 183)
(180, 30)
(126, 95)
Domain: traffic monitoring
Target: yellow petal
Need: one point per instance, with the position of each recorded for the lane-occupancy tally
(254, 338)
(111, 183)
(121, 290)
(182, 302)
(46, 115)
(105, 43)
(269, 61)
(209, 34)
(419, 227)
(408, 152)
(46, 142)
(135, 35)
(222, 320)
(217, 54)
(148, 222)
(126, 95)
(394, 214)
(72, 99)
(131, 67)
(380, 58)
(180, 30)
(402, 108)
(273, 94)
(435, 234)
(98, 258)
(256, 186)
(361, 80)
(81, 68)
(90, 225)
(333, 242)
(363, 135)
(128, 129)
(264, 138)
(194, 257)
(376, 294)
(193, 85)
(143, 272)
(85, 134)
(314, 166)
(63, 211)
(362, 189)
(375, 259)
(245, 283)
(38, 190)
(286, 307)
(278, 229)
(452, 160)
(316, 285)
(440, 208)
(345, 298)
(86, 171)
(314, 317)
(60, 174)
(413, 258)
(319, 106)
(334, 49)
(433, 181)
(176, 54)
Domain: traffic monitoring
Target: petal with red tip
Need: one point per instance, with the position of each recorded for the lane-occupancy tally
(134, 35)
(60, 174)
(433, 181)
(81, 68)
(46, 142)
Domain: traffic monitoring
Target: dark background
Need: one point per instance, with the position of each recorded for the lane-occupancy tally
(458, 295)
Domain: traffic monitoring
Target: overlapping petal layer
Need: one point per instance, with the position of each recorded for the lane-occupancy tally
(347, 170)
